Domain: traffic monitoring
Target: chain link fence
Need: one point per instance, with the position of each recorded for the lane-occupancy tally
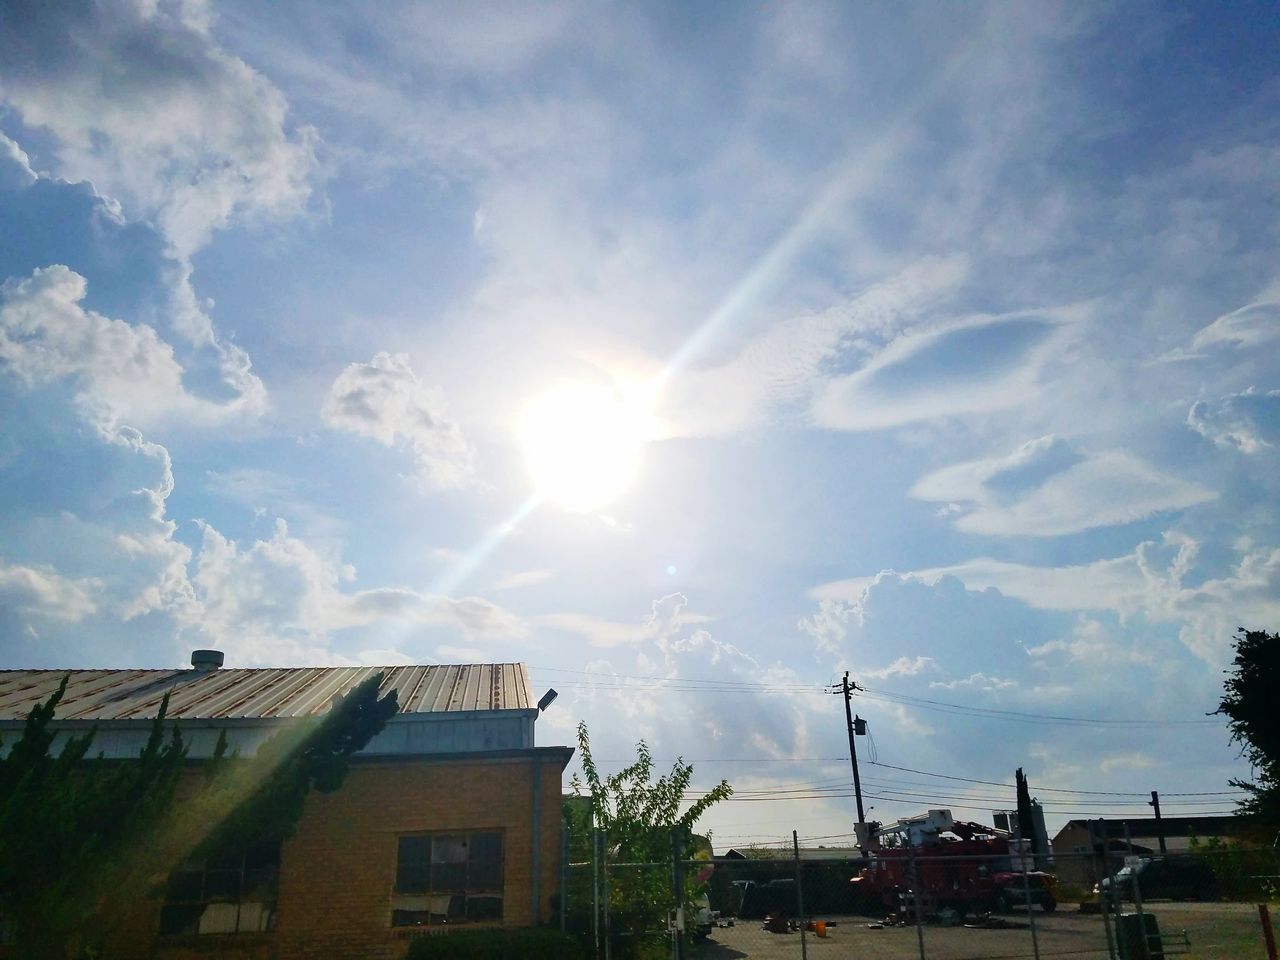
(919, 905)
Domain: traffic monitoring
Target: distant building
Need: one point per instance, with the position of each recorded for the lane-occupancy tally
(451, 815)
(1086, 850)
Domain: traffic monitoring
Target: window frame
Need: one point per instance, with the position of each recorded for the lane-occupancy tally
(254, 878)
(426, 890)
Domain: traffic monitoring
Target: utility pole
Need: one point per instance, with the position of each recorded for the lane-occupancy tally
(1155, 802)
(847, 689)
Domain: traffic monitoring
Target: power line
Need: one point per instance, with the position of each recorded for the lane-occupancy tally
(1022, 717)
(1103, 793)
(622, 681)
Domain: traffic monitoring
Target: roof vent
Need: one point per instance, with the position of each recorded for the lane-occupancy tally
(206, 659)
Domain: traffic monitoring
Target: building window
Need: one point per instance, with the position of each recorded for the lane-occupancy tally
(235, 893)
(448, 878)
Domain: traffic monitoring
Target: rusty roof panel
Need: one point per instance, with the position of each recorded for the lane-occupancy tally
(260, 693)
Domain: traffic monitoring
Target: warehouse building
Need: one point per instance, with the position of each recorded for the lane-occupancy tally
(449, 817)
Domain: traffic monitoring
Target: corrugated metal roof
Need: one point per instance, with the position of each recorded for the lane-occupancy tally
(260, 693)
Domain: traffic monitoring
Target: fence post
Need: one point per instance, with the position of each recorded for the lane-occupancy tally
(1137, 898)
(1026, 892)
(915, 896)
(604, 892)
(1268, 937)
(1104, 899)
(795, 849)
(595, 889)
(677, 892)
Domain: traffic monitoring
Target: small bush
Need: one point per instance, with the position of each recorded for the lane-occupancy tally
(529, 944)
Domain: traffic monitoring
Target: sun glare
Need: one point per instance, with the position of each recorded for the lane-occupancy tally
(583, 444)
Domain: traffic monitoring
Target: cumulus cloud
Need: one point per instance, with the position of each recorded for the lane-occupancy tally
(384, 399)
(143, 102)
(667, 615)
(1160, 581)
(1248, 421)
(1047, 488)
(42, 592)
(280, 598)
(15, 166)
(121, 369)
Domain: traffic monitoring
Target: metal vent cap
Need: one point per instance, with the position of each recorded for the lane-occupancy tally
(207, 659)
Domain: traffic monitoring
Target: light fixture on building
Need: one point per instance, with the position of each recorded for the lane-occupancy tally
(546, 699)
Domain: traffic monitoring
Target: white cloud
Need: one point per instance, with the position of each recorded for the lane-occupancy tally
(42, 592)
(15, 166)
(788, 362)
(976, 366)
(1158, 581)
(668, 615)
(1130, 760)
(122, 370)
(144, 103)
(384, 399)
(281, 599)
(1251, 326)
(902, 667)
(975, 681)
(1248, 421)
(523, 578)
(1045, 488)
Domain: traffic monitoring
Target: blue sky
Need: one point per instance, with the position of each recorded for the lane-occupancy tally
(934, 343)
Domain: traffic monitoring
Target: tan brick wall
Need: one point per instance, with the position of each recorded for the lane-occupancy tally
(337, 872)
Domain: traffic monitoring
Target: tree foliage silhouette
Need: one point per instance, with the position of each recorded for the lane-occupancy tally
(1249, 695)
(84, 840)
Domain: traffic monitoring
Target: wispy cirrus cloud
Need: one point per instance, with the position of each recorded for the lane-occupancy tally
(976, 366)
(1048, 488)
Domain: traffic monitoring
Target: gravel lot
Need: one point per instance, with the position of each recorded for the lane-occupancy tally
(1217, 931)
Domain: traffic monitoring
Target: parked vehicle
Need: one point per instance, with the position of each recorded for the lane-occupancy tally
(965, 867)
(1172, 878)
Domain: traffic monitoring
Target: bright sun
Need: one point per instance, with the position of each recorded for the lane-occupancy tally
(583, 444)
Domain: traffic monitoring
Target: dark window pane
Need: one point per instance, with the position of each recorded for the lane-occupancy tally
(412, 859)
(486, 846)
(226, 860)
(185, 885)
(417, 849)
(485, 876)
(448, 876)
(411, 877)
(260, 883)
(484, 908)
(262, 855)
(222, 885)
(457, 907)
(180, 919)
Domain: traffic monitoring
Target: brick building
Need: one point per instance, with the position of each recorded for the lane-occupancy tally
(449, 817)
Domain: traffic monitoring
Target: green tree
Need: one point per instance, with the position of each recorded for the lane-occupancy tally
(84, 840)
(639, 819)
(1248, 699)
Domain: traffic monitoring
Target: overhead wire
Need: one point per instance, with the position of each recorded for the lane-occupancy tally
(620, 681)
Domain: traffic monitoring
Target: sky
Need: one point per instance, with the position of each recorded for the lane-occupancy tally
(691, 354)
